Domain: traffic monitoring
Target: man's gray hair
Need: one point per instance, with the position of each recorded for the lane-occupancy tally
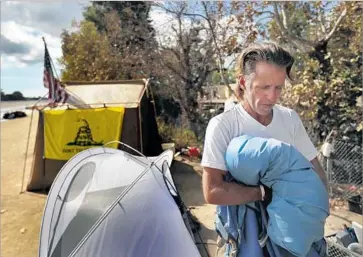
(268, 52)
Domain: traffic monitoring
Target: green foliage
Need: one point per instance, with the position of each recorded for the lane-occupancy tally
(182, 137)
(130, 13)
(217, 78)
(114, 42)
(130, 34)
(328, 100)
(15, 96)
(86, 54)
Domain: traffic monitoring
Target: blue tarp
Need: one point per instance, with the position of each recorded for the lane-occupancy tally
(300, 202)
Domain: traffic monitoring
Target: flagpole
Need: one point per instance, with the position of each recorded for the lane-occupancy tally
(51, 60)
(57, 91)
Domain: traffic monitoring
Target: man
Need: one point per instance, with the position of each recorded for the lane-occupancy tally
(262, 70)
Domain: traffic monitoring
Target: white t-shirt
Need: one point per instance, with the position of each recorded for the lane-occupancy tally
(228, 104)
(285, 126)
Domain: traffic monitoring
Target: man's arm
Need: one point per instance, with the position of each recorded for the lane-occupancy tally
(319, 170)
(217, 191)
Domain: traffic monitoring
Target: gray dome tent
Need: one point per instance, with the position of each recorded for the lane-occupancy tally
(107, 202)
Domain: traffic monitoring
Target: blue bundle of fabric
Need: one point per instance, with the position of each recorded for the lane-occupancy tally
(300, 202)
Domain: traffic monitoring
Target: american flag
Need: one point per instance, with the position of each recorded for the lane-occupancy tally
(57, 94)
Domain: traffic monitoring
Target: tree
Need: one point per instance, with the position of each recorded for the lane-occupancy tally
(217, 78)
(186, 61)
(306, 26)
(17, 95)
(203, 36)
(229, 27)
(328, 56)
(115, 41)
(131, 36)
(86, 55)
(339, 107)
(131, 14)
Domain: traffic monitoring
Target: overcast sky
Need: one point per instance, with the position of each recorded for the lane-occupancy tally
(23, 24)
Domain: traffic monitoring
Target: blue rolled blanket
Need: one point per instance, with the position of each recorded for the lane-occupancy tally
(300, 202)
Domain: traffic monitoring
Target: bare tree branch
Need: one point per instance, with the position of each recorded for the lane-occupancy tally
(320, 18)
(283, 14)
(184, 13)
(263, 18)
(180, 32)
(171, 68)
(300, 43)
(220, 61)
(342, 15)
(219, 55)
(187, 64)
(176, 53)
(269, 12)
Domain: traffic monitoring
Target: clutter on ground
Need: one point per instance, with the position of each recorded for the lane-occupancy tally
(349, 239)
(190, 151)
(14, 115)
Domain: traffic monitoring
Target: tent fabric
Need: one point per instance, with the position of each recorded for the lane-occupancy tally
(298, 193)
(68, 132)
(139, 128)
(107, 202)
(127, 92)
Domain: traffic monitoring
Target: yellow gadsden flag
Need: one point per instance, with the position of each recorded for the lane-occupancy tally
(68, 132)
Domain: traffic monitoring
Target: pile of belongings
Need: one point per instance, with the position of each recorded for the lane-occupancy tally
(349, 238)
(14, 115)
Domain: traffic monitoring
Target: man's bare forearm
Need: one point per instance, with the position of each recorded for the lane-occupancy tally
(235, 194)
(217, 191)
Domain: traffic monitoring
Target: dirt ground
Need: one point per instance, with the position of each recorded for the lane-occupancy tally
(21, 213)
(187, 176)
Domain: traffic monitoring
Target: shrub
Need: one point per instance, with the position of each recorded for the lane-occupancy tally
(182, 137)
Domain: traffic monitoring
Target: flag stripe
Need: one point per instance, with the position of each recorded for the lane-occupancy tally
(56, 94)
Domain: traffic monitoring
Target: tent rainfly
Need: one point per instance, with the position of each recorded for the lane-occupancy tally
(108, 202)
(95, 113)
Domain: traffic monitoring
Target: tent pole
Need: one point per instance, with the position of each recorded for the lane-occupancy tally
(43, 151)
(26, 152)
(152, 96)
(141, 137)
(40, 98)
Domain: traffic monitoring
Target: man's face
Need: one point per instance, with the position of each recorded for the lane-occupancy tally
(265, 90)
